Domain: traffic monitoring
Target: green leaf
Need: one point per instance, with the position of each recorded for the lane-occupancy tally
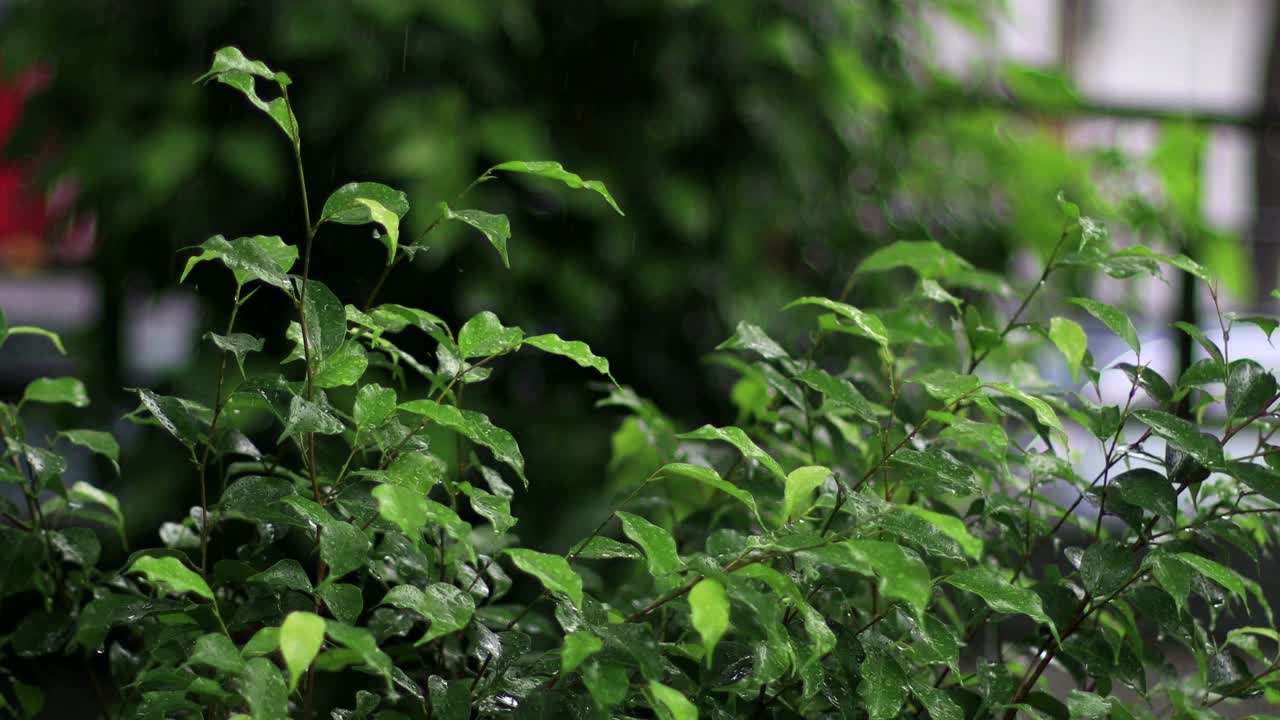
(484, 335)
(102, 443)
(343, 367)
(671, 704)
(345, 205)
(1115, 320)
(344, 601)
(301, 635)
(1184, 435)
(364, 645)
(952, 526)
(934, 472)
(264, 689)
(884, 685)
(1088, 706)
(1199, 336)
(866, 324)
(83, 493)
(999, 593)
(52, 337)
(404, 507)
(265, 258)
(230, 67)
(603, 548)
(285, 574)
(708, 476)
(1172, 574)
(216, 650)
(798, 491)
(326, 320)
(475, 427)
(928, 259)
(344, 547)
(496, 228)
(1071, 341)
(737, 438)
(390, 223)
(494, 508)
(1224, 576)
(578, 646)
(575, 350)
(1144, 377)
(307, 416)
(839, 391)
(751, 337)
(948, 386)
(448, 608)
(1250, 389)
(1260, 479)
(658, 545)
(1148, 490)
(554, 171)
(172, 574)
(53, 391)
(552, 571)
(903, 575)
(1106, 567)
(374, 405)
(172, 415)
(238, 344)
(1043, 411)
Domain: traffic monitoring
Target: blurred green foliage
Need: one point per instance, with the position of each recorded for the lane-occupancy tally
(761, 150)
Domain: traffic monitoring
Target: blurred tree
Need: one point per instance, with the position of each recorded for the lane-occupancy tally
(759, 149)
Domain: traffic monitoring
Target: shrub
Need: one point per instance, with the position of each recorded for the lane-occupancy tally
(880, 507)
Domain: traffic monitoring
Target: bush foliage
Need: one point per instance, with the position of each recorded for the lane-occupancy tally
(873, 538)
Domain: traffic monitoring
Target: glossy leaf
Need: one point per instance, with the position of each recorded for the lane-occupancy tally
(999, 593)
(475, 427)
(953, 527)
(1260, 479)
(799, 488)
(577, 647)
(344, 367)
(306, 416)
(555, 171)
(1115, 320)
(264, 689)
(671, 704)
(710, 477)
(1204, 449)
(172, 415)
(230, 67)
(484, 335)
(866, 324)
(934, 472)
(658, 545)
(1071, 341)
(301, 635)
(927, 258)
(404, 507)
(326, 320)
(238, 344)
(739, 439)
(1106, 567)
(448, 608)
(1148, 490)
(54, 391)
(751, 337)
(216, 650)
(344, 547)
(840, 392)
(1250, 388)
(265, 258)
(345, 206)
(575, 350)
(170, 573)
(286, 574)
(495, 228)
(102, 443)
(374, 406)
(552, 571)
